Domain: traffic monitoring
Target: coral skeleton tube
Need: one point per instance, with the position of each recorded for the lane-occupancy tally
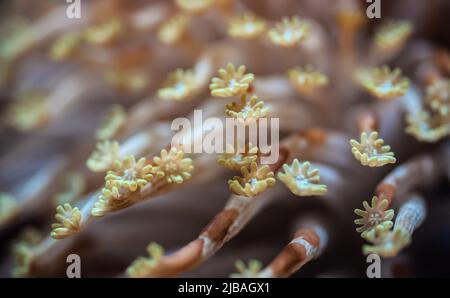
(308, 243)
(418, 172)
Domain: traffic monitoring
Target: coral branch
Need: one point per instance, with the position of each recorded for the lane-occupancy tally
(307, 244)
(418, 172)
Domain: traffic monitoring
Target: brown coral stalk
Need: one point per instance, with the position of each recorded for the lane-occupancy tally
(420, 171)
(307, 244)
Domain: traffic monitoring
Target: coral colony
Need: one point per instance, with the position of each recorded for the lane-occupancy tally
(90, 166)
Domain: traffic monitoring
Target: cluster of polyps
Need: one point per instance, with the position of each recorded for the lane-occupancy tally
(124, 170)
(235, 82)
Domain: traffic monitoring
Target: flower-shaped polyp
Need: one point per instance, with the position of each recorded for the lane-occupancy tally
(172, 166)
(29, 111)
(129, 174)
(393, 35)
(104, 32)
(195, 6)
(375, 219)
(173, 29)
(112, 198)
(383, 82)
(113, 122)
(438, 96)
(307, 79)
(371, 151)
(390, 245)
(289, 32)
(23, 253)
(232, 82)
(247, 26)
(142, 267)
(302, 180)
(235, 160)
(247, 110)
(251, 271)
(179, 85)
(68, 221)
(104, 156)
(428, 127)
(255, 180)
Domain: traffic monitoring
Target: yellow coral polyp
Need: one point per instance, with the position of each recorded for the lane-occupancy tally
(306, 80)
(111, 199)
(438, 97)
(103, 158)
(247, 109)
(29, 111)
(235, 160)
(195, 6)
(172, 31)
(130, 174)
(179, 85)
(247, 26)
(390, 245)
(23, 253)
(289, 32)
(251, 271)
(231, 82)
(255, 180)
(172, 166)
(112, 124)
(393, 35)
(427, 127)
(302, 180)
(7, 206)
(142, 267)
(65, 46)
(376, 219)
(382, 82)
(68, 221)
(104, 32)
(371, 151)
